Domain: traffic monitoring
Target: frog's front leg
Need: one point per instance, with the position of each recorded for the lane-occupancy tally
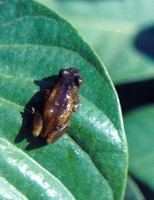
(55, 135)
(76, 103)
(37, 123)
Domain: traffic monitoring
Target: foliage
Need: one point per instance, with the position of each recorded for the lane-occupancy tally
(122, 32)
(88, 163)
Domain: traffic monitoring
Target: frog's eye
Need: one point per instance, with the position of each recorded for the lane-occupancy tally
(78, 80)
(63, 72)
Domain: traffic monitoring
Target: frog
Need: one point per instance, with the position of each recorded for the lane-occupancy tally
(59, 104)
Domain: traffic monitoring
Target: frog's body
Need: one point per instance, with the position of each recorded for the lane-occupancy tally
(58, 106)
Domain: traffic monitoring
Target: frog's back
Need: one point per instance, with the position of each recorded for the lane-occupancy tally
(58, 107)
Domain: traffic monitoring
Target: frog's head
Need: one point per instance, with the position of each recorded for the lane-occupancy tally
(71, 76)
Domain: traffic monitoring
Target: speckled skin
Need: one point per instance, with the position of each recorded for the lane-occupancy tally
(58, 106)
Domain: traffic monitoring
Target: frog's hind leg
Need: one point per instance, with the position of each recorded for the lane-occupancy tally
(55, 135)
(37, 125)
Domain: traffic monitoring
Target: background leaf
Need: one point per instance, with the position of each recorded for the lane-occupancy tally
(118, 31)
(139, 128)
(132, 191)
(92, 161)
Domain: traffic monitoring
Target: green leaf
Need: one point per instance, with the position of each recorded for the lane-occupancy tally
(112, 33)
(36, 43)
(133, 191)
(8, 191)
(30, 178)
(139, 128)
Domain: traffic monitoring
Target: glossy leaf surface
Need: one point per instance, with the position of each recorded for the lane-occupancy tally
(7, 191)
(35, 43)
(27, 176)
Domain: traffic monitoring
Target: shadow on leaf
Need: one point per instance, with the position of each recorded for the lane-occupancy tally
(147, 191)
(144, 41)
(134, 95)
(27, 117)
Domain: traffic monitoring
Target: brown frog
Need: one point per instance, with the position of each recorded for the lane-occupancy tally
(58, 106)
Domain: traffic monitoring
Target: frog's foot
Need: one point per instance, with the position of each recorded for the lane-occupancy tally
(37, 123)
(55, 135)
